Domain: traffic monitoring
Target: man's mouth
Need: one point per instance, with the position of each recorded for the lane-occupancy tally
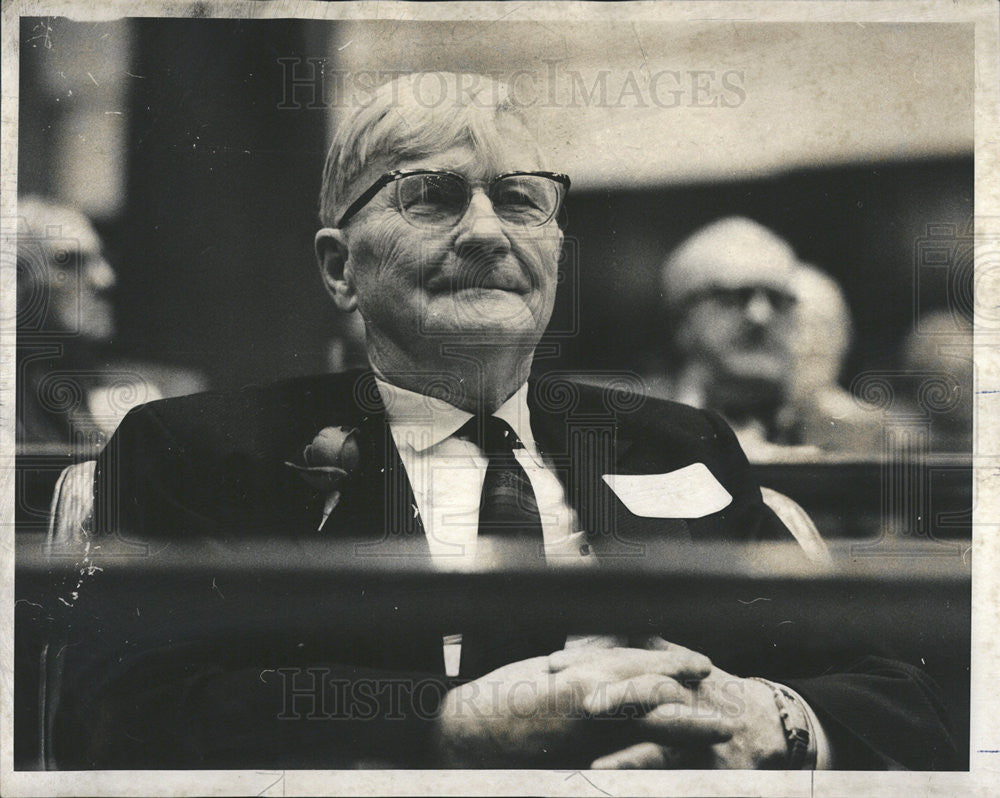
(493, 277)
(494, 283)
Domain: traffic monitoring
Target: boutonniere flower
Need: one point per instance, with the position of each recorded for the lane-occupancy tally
(330, 460)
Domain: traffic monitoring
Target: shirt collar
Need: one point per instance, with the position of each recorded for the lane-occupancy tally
(422, 421)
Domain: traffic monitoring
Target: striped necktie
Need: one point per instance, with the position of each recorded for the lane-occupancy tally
(510, 537)
(510, 528)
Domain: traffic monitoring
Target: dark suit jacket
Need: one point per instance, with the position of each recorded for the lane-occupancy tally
(214, 465)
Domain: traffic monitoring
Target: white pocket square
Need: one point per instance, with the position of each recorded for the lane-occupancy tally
(689, 492)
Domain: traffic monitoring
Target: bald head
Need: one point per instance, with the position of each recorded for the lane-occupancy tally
(730, 253)
(823, 328)
(730, 306)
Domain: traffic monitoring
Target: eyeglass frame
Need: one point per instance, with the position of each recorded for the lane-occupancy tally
(398, 174)
(781, 300)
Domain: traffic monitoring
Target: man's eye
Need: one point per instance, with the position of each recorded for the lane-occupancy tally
(524, 201)
(781, 301)
(434, 194)
(422, 198)
(727, 297)
(516, 196)
(422, 204)
(429, 195)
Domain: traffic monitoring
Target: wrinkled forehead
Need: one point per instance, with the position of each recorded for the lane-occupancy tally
(503, 144)
(477, 148)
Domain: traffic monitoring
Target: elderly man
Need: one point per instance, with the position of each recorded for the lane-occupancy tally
(74, 388)
(64, 288)
(441, 228)
(760, 337)
(730, 310)
(824, 414)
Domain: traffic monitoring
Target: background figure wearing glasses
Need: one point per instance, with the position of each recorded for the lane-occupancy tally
(74, 385)
(440, 229)
(729, 312)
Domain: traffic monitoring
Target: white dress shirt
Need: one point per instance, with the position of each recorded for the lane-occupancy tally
(447, 473)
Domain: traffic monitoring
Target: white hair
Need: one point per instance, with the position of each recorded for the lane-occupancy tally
(406, 120)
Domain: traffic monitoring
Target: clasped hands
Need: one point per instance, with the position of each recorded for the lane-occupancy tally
(662, 706)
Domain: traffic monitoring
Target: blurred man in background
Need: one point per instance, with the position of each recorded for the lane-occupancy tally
(939, 349)
(73, 385)
(731, 305)
(824, 414)
(761, 338)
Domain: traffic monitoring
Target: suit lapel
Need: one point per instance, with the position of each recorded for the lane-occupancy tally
(377, 508)
(376, 513)
(387, 514)
(582, 446)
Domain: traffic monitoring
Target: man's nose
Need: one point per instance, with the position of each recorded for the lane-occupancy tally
(759, 309)
(481, 228)
(100, 276)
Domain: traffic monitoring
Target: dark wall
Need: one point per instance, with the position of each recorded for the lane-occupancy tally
(217, 270)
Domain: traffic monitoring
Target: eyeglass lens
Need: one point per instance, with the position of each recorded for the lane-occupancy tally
(741, 297)
(440, 200)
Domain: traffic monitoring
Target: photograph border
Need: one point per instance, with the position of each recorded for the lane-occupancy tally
(985, 704)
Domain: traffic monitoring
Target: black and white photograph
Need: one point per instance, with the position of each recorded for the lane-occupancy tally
(490, 398)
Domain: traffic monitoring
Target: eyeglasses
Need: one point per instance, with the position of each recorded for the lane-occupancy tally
(437, 198)
(740, 298)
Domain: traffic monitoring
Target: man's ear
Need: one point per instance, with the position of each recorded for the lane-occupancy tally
(332, 255)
